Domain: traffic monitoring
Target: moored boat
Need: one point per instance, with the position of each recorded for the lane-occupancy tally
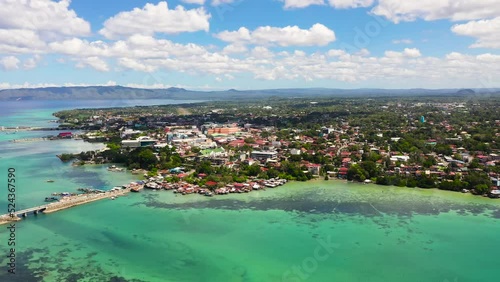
(51, 199)
(270, 184)
(495, 194)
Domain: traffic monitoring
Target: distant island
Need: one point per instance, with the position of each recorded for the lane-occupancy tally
(174, 93)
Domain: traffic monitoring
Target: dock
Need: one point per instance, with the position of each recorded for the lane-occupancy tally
(64, 203)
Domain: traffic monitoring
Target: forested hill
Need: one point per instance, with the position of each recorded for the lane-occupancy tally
(119, 92)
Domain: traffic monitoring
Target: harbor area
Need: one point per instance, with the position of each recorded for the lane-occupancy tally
(67, 200)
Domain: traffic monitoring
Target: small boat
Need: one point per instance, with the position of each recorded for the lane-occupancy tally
(494, 194)
(270, 184)
(50, 180)
(209, 194)
(113, 197)
(114, 168)
(465, 190)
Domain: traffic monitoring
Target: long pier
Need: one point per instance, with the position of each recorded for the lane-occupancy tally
(64, 203)
(30, 139)
(30, 128)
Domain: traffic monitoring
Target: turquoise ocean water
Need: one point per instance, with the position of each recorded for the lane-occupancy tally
(314, 231)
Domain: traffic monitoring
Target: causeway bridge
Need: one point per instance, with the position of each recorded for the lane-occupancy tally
(18, 215)
(34, 210)
(65, 203)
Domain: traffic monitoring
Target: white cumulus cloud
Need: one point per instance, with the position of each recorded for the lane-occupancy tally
(222, 2)
(198, 2)
(32, 62)
(487, 32)
(346, 4)
(94, 62)
(18, 41)
(317, 35)
(27, 25)
(302, 3)
(9, 63)
(408, 52)
(44, 16)
(233, 49)
(136, 46)
(429, 10)
(156, 19)
(339, 4)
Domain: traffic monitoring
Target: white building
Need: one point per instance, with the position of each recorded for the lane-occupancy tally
(142, 141)
(264, 155)
(400, 158)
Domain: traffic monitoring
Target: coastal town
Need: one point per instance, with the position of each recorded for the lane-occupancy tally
(227, 147)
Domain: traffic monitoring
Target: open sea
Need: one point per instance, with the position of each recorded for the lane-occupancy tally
(314, 231)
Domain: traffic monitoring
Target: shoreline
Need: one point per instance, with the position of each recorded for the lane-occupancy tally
(319, 179)
(82, 199)
(406, 187)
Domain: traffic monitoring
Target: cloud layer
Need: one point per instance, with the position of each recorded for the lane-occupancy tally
(144, 40)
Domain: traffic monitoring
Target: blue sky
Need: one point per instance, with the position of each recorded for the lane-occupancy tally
(250, 44)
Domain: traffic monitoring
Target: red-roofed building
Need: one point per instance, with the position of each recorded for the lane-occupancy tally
(237, 143)
(482, 158)
(260, 142)
(238, 185)
(223, 130)
(343, 172)
(345, 154)
(211, 184)
(346, 161)
(65, 135)
(314, 169)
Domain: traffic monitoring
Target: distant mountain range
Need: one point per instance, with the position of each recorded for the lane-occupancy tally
(119, 92)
